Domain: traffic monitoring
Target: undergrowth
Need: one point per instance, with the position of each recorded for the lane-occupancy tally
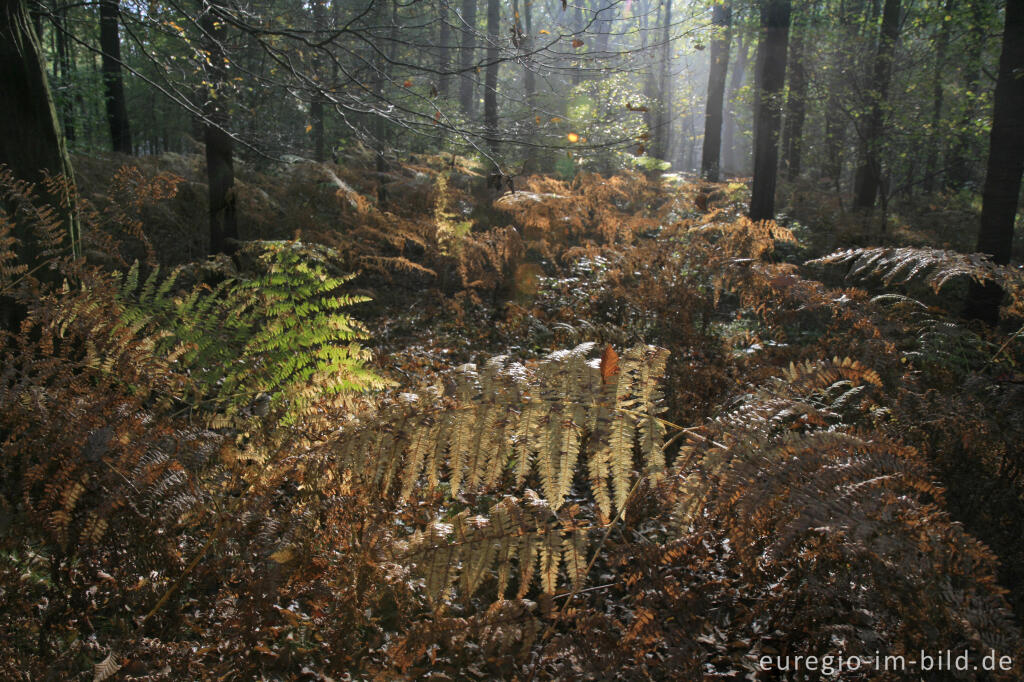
(667, 449)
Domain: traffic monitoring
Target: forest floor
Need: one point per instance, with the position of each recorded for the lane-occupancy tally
(777, 351)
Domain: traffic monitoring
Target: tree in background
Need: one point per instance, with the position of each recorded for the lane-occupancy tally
(732, 150)
(220, 168)
(491, 77)
(113, 83)
(869, 171)
(467, 83)
(721, 20)
(661, 135)
(796, 102)
(771, 75)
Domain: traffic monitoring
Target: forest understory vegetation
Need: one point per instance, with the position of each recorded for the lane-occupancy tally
(592, 428)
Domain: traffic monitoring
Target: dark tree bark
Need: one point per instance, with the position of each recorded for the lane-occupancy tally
(771, 76)
(220, 169)
(443, 50)
(113, 82)
(796, 103)
(1005, 164)
(721, 19)
(869, 171)
(491, 76)
(30, 141)
(467, 83)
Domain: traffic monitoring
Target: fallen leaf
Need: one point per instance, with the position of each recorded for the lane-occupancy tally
(609, 364)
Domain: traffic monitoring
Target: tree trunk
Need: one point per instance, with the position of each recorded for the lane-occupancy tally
(938, 94)
(1005, 164)
(662, 140)
(650, 83)
(577, 30)
(721, 16)
(113, 83)
(491, 76)
(771, 76)
(467, 81)
(316, 104)
(869, 172)
(730, 153)
(796, 104)
(443, 50)
(65, 62)
(220, 169)
(529, 88)
(30, 140)
(605, 11)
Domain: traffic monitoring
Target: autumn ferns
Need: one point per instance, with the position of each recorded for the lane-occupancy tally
(934, 267)
(533, 428)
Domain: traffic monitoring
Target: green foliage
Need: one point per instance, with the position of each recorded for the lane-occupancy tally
(276, 329)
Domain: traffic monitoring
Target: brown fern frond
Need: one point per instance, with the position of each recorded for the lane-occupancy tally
(934, 267)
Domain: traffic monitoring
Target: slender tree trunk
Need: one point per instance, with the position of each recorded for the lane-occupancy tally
(721, 19)
(869, 172)
(662, 140)
(771, 76)
(529, 78)
(220, 168)
(113, 83)
(577, 30)
(491, 76)
(650, 81)
(316, 104)
(467, 80)
(796, 104)
(938, 95)
(835, 118)
(730, 153)
(529, 87)
(1005, 164)
(603, 24)
(443, 50)
(64, 61)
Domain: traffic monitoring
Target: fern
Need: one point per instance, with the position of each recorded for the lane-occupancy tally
(280, 329)
(509, 423)
(934, 267)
